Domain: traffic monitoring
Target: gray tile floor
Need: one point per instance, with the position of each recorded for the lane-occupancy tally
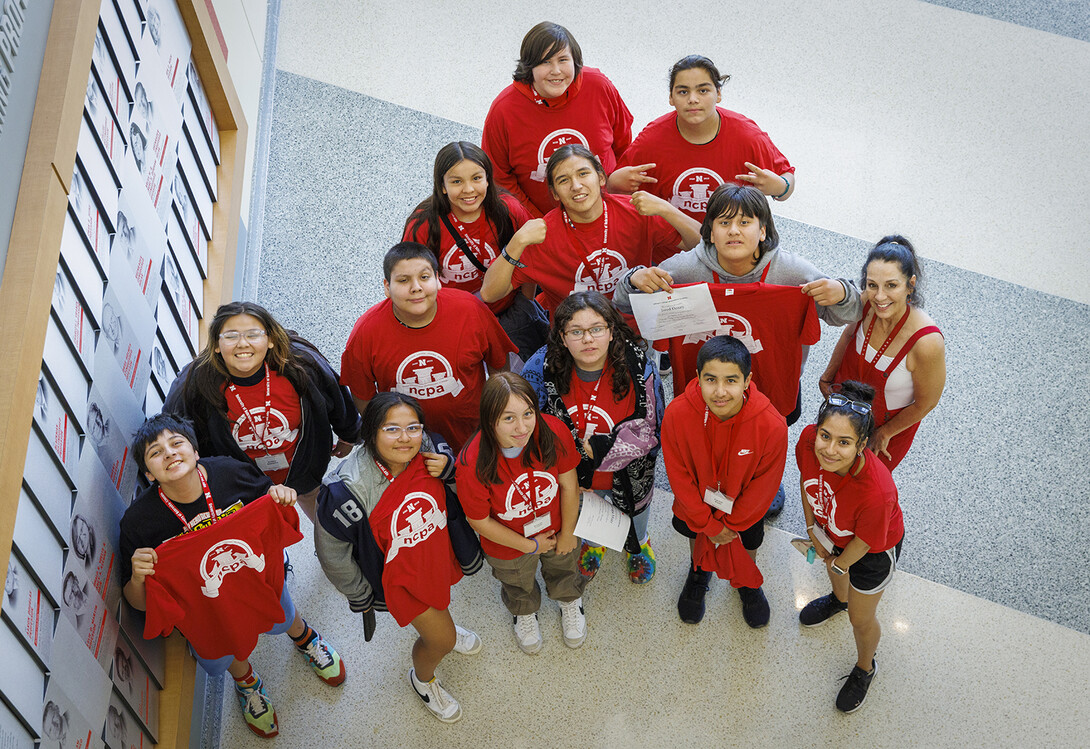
(985, 631)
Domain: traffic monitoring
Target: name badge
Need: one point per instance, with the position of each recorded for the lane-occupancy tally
(537, 525)
(267, 463)
(718, 500)
(823, 539)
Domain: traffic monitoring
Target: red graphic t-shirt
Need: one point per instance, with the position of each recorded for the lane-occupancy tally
(774, 322)
(520, 134)
(442, 365)
(220, 586)
(524, 495)
(410, 525)
(574, 258)
(593, 410)
(863, 505)
(456, 271)
(267, 436)
(688, 174)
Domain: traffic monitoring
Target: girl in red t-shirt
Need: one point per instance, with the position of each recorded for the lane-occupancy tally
(596, 378)
(260, 394)
(466, 221)
(518, 486)
(854, 522)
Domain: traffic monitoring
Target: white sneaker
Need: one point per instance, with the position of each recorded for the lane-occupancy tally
(528, 634)
(435, 698)
(574, 622)
(467, 642)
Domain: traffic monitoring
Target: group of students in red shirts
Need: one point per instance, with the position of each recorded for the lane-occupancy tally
(524, 260)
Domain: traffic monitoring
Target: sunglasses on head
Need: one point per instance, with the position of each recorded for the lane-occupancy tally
(836, 399)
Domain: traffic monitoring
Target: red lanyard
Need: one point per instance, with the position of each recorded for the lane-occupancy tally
(896, 329)
(246, 411)
(178, 513)
(605, 240)
(385, 471)
(584, 409)
(764, 274)
(533, 485)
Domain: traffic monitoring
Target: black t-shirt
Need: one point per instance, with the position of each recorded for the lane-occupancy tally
(148, 522)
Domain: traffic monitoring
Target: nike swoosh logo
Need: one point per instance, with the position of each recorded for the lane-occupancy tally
(744, 452)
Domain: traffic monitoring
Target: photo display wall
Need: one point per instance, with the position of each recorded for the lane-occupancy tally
(124, 319)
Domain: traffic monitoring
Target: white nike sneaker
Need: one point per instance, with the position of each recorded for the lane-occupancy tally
(467, 642)
(435, 698)
(528, 634)
(574, 622)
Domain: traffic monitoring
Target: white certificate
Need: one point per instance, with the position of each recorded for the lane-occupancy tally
(602, 523)
(666, 314)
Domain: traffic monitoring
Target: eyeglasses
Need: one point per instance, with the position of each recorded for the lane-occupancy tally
(836, 399)
(232, 336)
(393, 430)
(576, 334)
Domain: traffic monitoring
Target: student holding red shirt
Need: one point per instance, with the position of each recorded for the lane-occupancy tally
(467, 211)
(425, 341)
(186, 497)
(854, 521)
(518, 486)
(592, 240)
(552, 102)
(724, 446)
(384, 538)
(684, 155)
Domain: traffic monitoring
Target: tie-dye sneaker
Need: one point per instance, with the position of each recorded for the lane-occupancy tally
(590, 559)
(641, 566)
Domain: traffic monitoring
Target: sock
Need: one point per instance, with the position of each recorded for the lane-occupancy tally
(305, 637)
(421, 681)
(248, 681)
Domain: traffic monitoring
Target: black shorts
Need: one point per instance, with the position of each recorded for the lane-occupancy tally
(873, 572)
(752, 537)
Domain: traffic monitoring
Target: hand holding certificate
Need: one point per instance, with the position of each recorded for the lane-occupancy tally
(679, 312)
(601, 522)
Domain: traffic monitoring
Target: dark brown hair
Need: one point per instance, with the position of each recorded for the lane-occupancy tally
(729, 200)
(208, 375)
(559, 363)
(542, 42)
(437, 204)
(494, 396)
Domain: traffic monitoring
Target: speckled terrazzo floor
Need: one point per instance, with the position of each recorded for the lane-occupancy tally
(985, 630)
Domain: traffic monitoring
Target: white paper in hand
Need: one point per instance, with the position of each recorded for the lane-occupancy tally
(602, 523)
(666, 314)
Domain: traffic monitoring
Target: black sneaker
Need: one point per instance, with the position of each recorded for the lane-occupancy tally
(854, 692)
(690, 606)
(664, 364)
(754, 607)
(821, 610)
(776, 507)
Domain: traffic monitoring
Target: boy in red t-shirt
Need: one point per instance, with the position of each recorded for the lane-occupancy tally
(425, 341)
(724, 445)
(187, 496)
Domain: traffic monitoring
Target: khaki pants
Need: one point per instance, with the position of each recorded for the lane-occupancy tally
(518, 577)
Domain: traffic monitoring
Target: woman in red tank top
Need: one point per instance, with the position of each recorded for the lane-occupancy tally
(896, 348)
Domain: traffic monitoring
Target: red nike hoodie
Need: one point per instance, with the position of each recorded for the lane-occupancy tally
(743, 457)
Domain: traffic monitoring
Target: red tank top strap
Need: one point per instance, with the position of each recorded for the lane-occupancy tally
(908, 347)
